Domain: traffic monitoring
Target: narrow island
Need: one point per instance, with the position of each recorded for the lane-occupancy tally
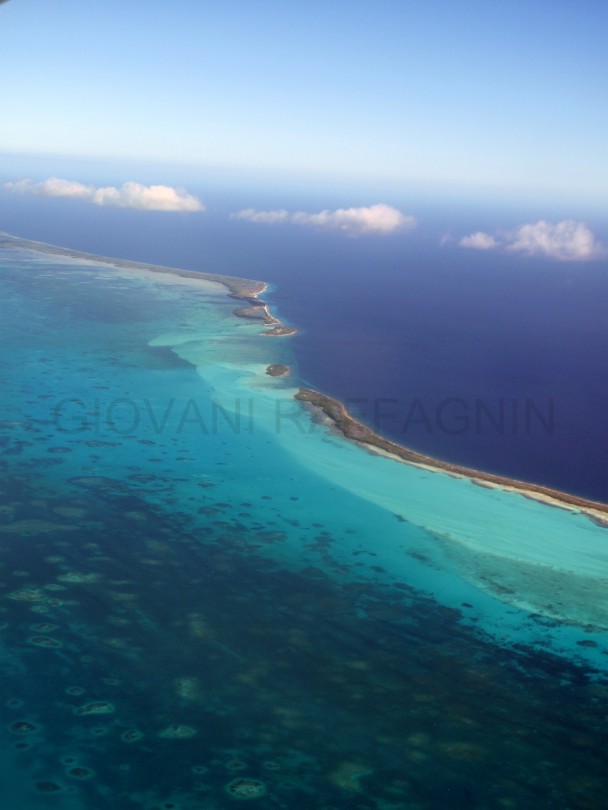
(339, 417)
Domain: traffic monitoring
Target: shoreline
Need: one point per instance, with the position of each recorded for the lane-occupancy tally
(258, 311)
(248, 290)
(356, 431)
(241, 289)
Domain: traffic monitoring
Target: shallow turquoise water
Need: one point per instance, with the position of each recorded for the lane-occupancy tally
(241, 593)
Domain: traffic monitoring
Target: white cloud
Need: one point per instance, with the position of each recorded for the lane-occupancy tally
(479, 241)
(565, 241)
(267, 217)
(53, 187)
(379, 218)
(129, 195)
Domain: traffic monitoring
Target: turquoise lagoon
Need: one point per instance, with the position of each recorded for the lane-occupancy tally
(208, 596)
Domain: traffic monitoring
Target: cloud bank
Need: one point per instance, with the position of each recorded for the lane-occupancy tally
(129, 195)
(379, 218)
(566, 241)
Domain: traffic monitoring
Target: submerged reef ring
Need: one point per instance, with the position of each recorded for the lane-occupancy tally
(95, 482)
(177, 731)
(70, 511)
(80, 772)
(30, 528)
(78, 577)
(236, 765)
(188, 688)
(246, 788)
(348, 774)
(99, 707)
(131, 735)
(45, 641)
(48, 786)
(43, 627)
(22, 727)
(27, 595)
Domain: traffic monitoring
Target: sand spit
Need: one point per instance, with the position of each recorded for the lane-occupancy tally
(241, 288)
(351, 428)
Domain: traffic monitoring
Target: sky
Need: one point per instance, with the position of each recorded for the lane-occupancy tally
(508, 96)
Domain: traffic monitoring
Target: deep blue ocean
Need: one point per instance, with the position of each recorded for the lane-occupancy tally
(490, 360)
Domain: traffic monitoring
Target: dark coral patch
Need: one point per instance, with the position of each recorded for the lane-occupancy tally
(47, 786)
(22, 727)
(80, 772)
(75, 691)
(45, 641)
(100, 707)
(246, 788)
(131, 735)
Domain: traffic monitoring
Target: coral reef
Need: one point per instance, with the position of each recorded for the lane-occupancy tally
(45, 641)
(246, 788)
(177, 731)
(348, 775)
(99, 707)
(131, 735)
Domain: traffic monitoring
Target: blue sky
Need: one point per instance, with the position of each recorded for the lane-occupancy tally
(451, 93)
